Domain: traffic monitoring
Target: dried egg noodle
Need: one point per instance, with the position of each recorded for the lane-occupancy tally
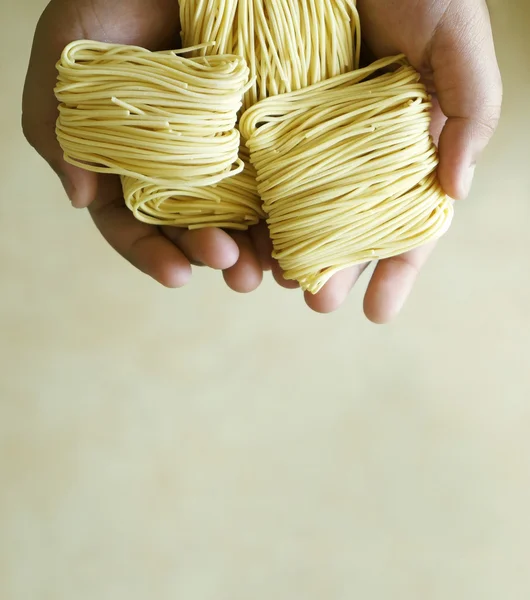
(288, 44)
(338, 158)
(347, 171)
(166, 125)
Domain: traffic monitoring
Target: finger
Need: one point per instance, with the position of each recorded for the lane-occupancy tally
(392, 282)
(39, 106)
(142, 245)
(336, 290)
(469, 88)
(247, 274)
(438, 120)
(211, 247)
(262, 242)
(277, 273)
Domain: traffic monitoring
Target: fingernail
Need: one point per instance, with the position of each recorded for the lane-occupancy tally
(468, 179)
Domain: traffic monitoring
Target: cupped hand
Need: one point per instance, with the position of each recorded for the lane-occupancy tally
(451, 44)
(166, 253)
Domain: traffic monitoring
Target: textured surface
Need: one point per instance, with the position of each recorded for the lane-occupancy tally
(201, 445)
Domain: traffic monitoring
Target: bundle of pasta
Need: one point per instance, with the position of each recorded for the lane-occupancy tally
(347, 171)
(340, 157)
(288, 45)
(166, 124)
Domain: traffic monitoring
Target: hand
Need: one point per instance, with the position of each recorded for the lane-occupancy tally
(164, 253)
(450, 43)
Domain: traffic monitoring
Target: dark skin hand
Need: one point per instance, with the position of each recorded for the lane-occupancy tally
(165, 253)
(449, 42)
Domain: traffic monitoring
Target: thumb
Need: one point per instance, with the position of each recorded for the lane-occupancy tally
(39, 106)
(469, 88)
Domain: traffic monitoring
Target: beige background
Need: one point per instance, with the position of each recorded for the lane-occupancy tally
(202, 445)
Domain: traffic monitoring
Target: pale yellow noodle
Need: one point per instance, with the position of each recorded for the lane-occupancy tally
(269, 115)
(166, 124)
(288, 44)
(347, 171)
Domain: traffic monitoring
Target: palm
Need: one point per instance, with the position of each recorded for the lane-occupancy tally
(393, 27)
